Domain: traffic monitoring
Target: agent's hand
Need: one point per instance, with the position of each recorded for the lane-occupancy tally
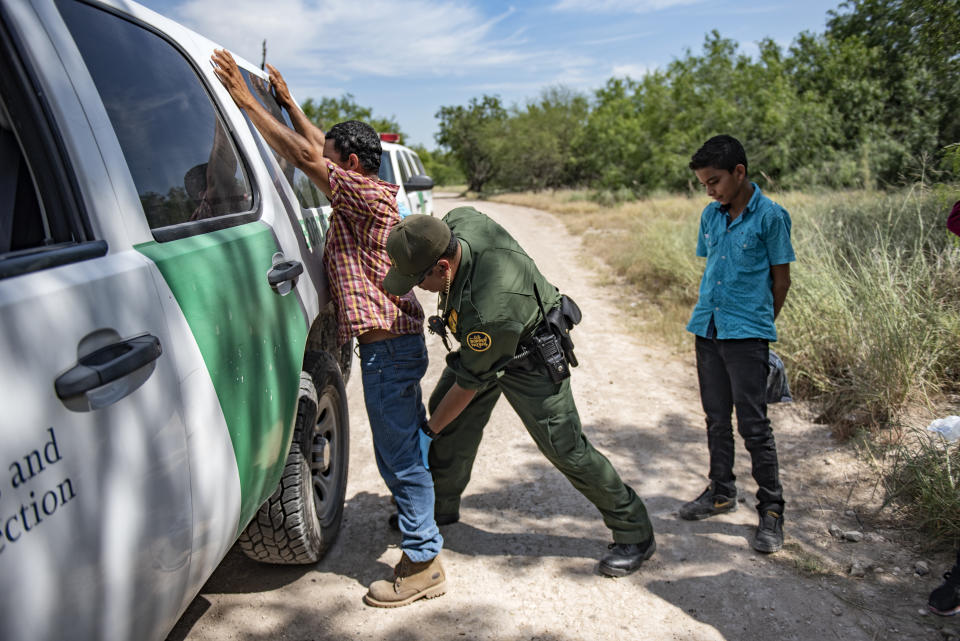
(280, 90)
(425, 442)
(229, 74)
(427, 436)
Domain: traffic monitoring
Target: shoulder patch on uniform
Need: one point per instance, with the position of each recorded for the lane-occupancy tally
(479, 341)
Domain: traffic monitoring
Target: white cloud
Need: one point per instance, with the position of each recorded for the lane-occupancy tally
(340, 38)
(770, 8)
(634, 71)
(553, 68)
(620, 6)
(620, 38)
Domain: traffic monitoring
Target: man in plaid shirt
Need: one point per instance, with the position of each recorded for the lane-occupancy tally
(344, 164)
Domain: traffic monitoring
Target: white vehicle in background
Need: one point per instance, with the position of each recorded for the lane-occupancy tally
(170, 381)
(401, 166)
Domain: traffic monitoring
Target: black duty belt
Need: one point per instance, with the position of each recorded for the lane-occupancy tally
(550, 345)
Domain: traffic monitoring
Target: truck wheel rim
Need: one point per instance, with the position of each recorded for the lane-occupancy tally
(324, 462)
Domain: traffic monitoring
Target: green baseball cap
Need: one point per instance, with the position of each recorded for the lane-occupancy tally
(415, 244)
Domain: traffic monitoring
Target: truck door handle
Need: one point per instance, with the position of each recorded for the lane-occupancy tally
(106, 365)
(287, 270)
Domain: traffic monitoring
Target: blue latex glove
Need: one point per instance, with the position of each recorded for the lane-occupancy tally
(425, 442)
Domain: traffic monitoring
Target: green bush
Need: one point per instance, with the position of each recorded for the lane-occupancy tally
(613, 197)
(440, 166)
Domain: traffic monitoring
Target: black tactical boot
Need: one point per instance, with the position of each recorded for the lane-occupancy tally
(769, 535)
(624, 558)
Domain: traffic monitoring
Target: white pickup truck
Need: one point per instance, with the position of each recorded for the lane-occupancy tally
(401, 166)
(170, 381)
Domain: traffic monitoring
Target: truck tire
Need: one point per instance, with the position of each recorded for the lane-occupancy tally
(301, 519)
(346, 359)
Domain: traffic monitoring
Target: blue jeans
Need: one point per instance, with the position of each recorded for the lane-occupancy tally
(391, 371)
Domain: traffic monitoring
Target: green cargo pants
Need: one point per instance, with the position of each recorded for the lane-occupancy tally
(550, 415)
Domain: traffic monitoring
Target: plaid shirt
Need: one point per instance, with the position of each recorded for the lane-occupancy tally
(364, 212)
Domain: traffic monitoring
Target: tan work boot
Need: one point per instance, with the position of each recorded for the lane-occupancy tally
(411, 581)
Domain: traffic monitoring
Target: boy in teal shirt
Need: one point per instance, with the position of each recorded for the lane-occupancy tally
(745, 238)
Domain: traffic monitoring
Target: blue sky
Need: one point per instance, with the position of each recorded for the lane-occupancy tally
(407, 58)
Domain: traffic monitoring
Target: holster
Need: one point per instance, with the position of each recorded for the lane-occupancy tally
(550, 346)
(561, 319)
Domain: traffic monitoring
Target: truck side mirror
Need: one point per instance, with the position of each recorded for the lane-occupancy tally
(418, 183)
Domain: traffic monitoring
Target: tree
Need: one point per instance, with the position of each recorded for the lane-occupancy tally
(537, 150)
(865, 103)
(440, 166)
(329, 111)
(612, 143)
(917, 63)
(474, 135)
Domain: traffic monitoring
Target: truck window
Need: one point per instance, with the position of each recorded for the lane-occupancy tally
(419, 165)
(405, 172)
(41, 220)
(307, 193)
(183, 162)
(22, 222)
(386, 169)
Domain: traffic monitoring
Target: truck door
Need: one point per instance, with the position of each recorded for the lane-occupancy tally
(95, 507)
(424, 196)
(207, 216)
(404, 174)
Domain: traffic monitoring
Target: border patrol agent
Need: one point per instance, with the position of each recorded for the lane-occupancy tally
(492, 299)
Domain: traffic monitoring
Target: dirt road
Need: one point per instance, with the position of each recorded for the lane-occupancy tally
(522, 563)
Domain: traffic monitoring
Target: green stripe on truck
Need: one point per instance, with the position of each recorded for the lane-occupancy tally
(253, 353)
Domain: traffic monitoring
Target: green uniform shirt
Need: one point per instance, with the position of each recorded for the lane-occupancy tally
(491, 306)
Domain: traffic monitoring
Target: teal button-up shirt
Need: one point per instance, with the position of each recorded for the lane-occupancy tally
(736, 289)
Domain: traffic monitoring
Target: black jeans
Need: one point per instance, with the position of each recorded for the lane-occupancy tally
(733, 374)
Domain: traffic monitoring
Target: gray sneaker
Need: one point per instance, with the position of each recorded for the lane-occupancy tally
(707, 504)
